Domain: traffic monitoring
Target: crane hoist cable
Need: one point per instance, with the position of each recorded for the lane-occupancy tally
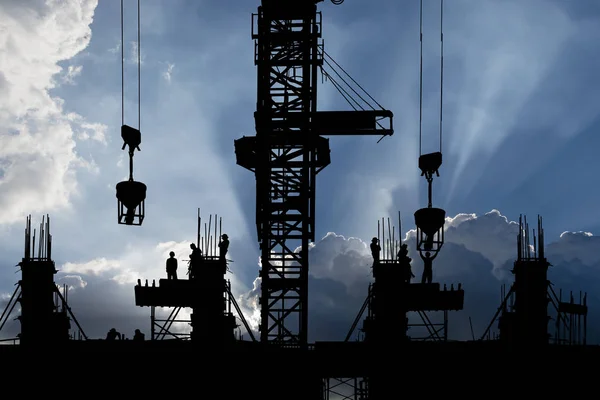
(430, 163)
(421, 75)
(131, 137)
(131, 194)
(430, 221)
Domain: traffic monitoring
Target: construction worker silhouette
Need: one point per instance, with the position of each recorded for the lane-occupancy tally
(195, 260)
(171, 266)
(427, 268)
(405, 261)
(139, 336)
(223, 247)
(113, 334)
(375, 250)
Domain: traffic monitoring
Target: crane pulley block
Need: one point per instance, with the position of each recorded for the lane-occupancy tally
(131, 137)
(430, 164)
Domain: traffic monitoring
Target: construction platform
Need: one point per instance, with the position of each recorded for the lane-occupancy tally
(208, 286)
(431, 297)
(390, 279)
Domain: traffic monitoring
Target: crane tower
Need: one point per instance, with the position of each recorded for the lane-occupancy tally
(286, 154)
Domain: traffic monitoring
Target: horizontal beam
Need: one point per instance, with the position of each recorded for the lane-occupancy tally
(375, 122)
(324, 123)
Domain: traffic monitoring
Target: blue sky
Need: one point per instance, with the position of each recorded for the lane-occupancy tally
(521, 95)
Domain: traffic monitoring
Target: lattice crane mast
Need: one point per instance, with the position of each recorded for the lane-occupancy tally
(289, 150)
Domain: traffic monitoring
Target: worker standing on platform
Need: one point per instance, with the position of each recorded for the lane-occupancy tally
(405, 261)
(172, 266)
(113, 334)
(223, 247)
(195, 260)
(427, 268)
(139, 336)
(375, 250)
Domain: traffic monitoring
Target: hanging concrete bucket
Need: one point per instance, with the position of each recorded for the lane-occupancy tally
(430, 220)
(131, 194)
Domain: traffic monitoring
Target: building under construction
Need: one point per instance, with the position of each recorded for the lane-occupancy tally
(290, 148)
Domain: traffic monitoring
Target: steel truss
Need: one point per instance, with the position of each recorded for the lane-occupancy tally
(287, 153)
(288, 59)
(165, 328)
(345, 388)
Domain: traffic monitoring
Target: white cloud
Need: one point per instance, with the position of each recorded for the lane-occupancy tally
(73, 282)
(168, 72)
(133, 58)
(72, 72)
(38, 160)
(115, 49)
(94, 267)
(576, 245)
(88, 130)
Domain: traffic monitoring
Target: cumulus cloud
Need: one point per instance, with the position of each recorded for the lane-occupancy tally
(72, 282)
(491, 234)
(38, 161)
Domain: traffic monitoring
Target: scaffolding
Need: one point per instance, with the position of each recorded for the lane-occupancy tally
(206, 292)
(45, 313)
(523, 312)
(423, 300)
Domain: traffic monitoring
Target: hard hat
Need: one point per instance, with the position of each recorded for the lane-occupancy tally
(374, 239)
(224, 236)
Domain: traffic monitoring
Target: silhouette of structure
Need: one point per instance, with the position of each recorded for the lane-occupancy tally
(288, 152)
(523, 314)
(207, 293)
(391, 297)
(44, 309)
